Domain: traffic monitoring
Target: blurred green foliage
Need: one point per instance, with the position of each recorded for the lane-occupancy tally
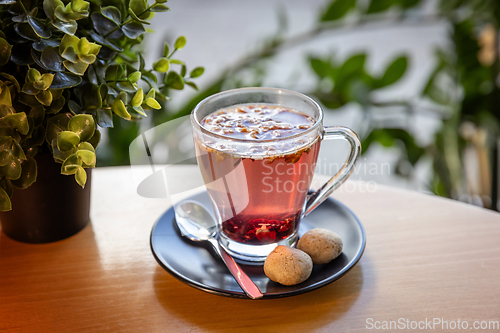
(462, 90)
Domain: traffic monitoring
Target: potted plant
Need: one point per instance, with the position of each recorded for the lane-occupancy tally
(67, 68)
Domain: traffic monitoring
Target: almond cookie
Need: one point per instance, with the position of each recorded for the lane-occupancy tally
(288, 266)
(321, 245)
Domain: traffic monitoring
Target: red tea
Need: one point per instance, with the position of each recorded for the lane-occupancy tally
(259, 189)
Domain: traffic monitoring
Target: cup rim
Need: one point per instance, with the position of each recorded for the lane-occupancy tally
(318, 123)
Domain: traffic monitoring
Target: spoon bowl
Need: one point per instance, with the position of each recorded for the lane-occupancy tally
(194, 221)
(197, 224)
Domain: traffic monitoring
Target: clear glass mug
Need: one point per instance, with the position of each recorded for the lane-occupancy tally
(259, 196)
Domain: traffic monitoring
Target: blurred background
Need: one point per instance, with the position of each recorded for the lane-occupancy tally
(418, 80)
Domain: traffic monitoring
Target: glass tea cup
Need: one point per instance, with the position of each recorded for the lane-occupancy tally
(259, 189)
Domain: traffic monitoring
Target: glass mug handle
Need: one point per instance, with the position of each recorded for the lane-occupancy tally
(329, 133)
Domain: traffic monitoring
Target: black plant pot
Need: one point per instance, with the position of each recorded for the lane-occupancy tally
(53, 208)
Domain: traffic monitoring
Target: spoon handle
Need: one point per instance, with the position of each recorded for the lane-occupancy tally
(239, 275)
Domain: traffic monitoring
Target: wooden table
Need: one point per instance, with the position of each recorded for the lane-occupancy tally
(426, 258)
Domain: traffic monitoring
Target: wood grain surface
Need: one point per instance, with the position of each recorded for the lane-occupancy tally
(426, 258)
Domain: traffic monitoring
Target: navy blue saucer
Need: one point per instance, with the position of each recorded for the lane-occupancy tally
(198, 266)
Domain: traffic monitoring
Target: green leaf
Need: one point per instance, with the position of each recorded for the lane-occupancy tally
(87, 156)
(39, 27)
(58, 155)
(19, 121)
(176, 61)
(73, 106)
(33, 75)
(338, 9)
(351, 68)
(69, 28)
(393, 73)
(162, 65)
(198, 71)
(192, 85)
(142, 62)
(105, 42)
(64, 80)
(104, 118)
(126, 86)
(44, 82)
(71, 165)
(183, 70)
(174, 81)
(152, 103)
(12, 170)
(150, 78)
(5, 50)
(138, 98)
(6, 155)
(49, 7)
(18, 150)
(67, 140)
(387, 137)
(51, 59)
(5, 109)
(12, 79)
(103, 90)
(5, 204)
(28, 174)
(104, 25)
(92, 97)
(139, 7)
(166, 50)
(134, 77)
(159, 8)
(44, 97)
(94, 141)
(56, 124)
(180, 42)
(140, 110)
(119, 108)
(123, 96)
(112, 13)
(26, 31)
(67, 41)
(377, 6)
(83, 125)
(6, 142)
(79, 5)
(70, 54)
(87, 58)
(133, 29)
(34, 150)
(78, 68)
(320, 67)
(151, 94)
(81, 176)
(5, 97)
(86, 146)
(136, 18)
(114, 73)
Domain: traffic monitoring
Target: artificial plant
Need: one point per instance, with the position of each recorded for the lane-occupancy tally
(66, 68)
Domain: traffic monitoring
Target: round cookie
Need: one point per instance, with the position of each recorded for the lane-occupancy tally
(288, 266)
(321, 245)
